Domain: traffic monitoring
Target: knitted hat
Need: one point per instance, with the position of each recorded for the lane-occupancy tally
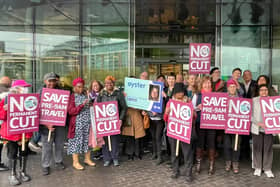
(231, 82)
(179, 88)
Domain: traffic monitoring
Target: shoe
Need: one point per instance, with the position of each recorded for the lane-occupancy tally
(34, 147)
(130, 158)
(198, 159)
(116, 163)
(228, 166)
(235, 167)
(88, 161)
(211, 155)
(3, 167)
(59, 166)
(40, 144)
(23, 176)
(13, 180)
(139, 157)
(189, 179)
(269, 174)
(76, 163)
(154, 156)
(106, 163)
(46, 171)
(175, 175)
(159, 161)
(258, 172)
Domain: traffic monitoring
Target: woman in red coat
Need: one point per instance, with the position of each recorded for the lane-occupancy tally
(14, 141)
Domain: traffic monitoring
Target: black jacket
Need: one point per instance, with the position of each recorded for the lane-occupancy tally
(118, 96)
(251, 90)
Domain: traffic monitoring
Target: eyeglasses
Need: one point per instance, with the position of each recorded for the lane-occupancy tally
(264, 90)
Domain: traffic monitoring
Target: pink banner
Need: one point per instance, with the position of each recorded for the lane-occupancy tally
(239, 116)
(54, 104)
(106, 118)
(271, 114)
(180, 121)
(23, 113)
(214, 110)
(199, 58)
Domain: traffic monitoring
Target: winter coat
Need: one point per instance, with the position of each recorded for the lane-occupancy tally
(4, 128)
(116, 95)
(73, 111)
(133, 124)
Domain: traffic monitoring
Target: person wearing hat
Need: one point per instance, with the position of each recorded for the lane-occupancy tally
(187, 149)
(111, 93)
(205, 136)
(231, 155)
(57, 138)
(79, 125)
(14, 141)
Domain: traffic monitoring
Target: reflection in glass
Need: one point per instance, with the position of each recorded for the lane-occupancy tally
(15, 52)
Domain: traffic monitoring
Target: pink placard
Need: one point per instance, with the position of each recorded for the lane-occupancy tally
(239, 116)
(54, 104)
(214, 110)
(270, 107)
(23, 113)
(180, 121)
(199, 58)
(106, 118)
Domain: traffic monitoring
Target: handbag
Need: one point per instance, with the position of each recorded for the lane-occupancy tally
(146, 122)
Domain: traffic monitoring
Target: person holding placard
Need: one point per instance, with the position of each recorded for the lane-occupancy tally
(95, 142)
(156, 129)
(231, 155)
(187, 149)
(205, 136)
(111, 93)
(79, 125)
(58, 134)
(262, 143)
(14, 144)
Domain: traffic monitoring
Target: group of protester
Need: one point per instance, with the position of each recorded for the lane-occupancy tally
(138, 125)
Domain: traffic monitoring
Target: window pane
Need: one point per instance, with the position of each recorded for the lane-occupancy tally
(105, 12)
(252, 12)
(16, 52)
(58, 12)
(57, 51)
(276, 57)
(246, 48)
(106, 52)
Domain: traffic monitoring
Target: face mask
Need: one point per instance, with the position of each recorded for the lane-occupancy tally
(22, 90)
(25, 90)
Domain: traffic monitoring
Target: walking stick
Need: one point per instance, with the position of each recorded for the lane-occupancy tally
(236, 142)
(49, 135)
(177, 147)
(23, 142)
(109, 143)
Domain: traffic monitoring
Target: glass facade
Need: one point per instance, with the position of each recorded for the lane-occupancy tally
(94, 38)
(88, 38)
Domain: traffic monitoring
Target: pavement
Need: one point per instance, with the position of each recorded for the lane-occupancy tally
(141, 173)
